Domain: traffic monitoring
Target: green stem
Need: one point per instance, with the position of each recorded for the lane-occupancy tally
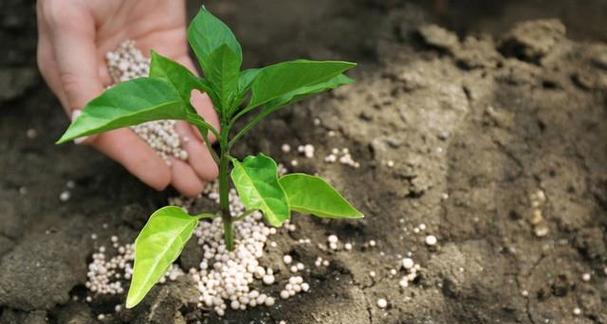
(224, 188)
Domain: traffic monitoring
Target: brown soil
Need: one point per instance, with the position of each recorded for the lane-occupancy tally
(475, 125)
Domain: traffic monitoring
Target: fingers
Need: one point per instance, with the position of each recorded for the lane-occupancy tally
(204, 107)
(199, 157)
(201, 102)
(46, 60)
(126, 148)
(184, 179)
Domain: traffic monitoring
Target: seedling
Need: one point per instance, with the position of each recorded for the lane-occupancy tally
(165, 94)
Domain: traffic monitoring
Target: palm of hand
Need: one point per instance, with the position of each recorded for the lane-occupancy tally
(74, 37)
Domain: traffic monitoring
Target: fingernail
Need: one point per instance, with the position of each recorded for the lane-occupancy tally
(80, 140)
(75, 114)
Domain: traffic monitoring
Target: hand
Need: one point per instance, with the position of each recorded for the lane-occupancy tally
(74, 36)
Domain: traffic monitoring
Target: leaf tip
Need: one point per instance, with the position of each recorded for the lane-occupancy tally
(132, 300)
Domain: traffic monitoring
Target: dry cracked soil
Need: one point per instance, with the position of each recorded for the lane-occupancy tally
(477, 126)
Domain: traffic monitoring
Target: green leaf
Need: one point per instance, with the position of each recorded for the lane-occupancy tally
(303, 92)
(289, 79)
(128, 103)
(223, 73)
(278, 103)
(176, 74)
(246, 79)
(256, 180)
(313, 195)
(206, 34)
(157, 247)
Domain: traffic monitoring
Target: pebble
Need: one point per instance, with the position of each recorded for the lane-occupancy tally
(431, 240)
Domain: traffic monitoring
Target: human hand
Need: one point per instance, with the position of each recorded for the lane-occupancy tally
(74, 36)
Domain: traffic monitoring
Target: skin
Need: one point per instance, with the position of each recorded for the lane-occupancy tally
(74, 36)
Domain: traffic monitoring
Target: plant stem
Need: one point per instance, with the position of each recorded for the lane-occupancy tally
(224, 188)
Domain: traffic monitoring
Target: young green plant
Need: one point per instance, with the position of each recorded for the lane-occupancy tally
(235, 93)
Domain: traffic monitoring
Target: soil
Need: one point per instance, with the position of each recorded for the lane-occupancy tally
(475, 124)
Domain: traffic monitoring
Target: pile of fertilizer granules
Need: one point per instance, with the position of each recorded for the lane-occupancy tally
(224, 279)
(127, 63)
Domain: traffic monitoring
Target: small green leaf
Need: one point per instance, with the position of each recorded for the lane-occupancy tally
(246, 79)
(292, 78)
(176, 74)
(313, 195)
(157, 247)
(223, 73)
(206, 34)
(129, 103)
(256, 180)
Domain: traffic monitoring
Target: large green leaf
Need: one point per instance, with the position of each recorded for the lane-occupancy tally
(313, 195)
(223, 74)
(157, 247)
(289, 79)
(294, 96)
(303, 92)
(256, 180)
(129, 103)
(206, 34)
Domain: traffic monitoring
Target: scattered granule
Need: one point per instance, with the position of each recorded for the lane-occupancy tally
(306, 150)
(64, 196)
(294, 286)
(431, 240)
(586, 277)
(31, 133)
(382, 303)
(342, 156)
